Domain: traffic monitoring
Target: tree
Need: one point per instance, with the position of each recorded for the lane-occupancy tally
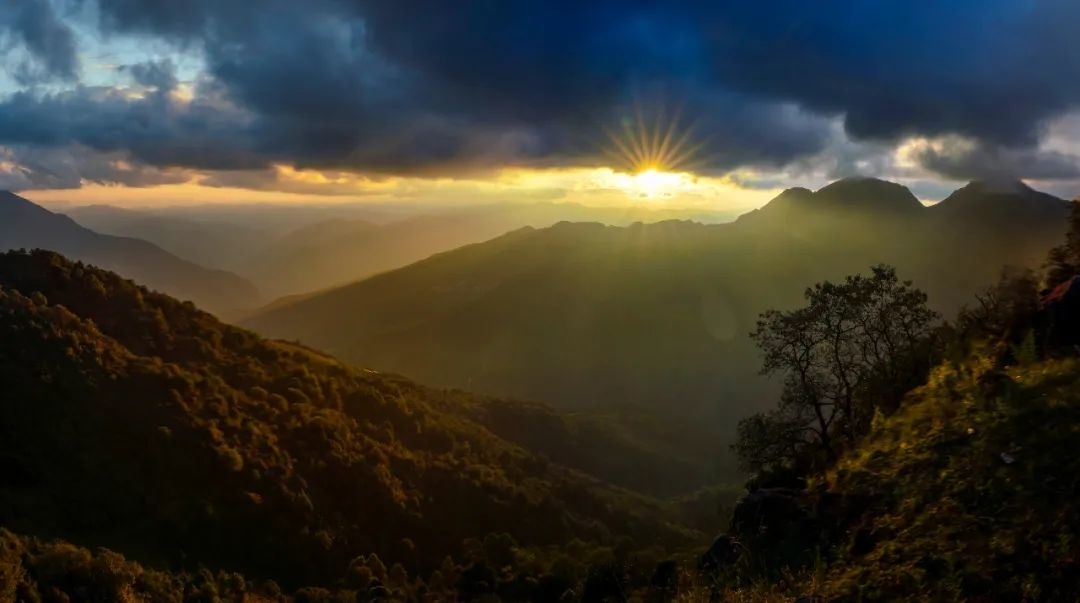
(856, 347)
(1005, 312)
(1063, 262)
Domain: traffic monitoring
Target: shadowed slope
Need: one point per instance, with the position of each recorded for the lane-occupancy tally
(24, 225)
(144, 425)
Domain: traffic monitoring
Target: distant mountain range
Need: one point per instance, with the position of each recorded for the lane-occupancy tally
(327, 247)
(208, 242)
(656, 316)
(26, 225)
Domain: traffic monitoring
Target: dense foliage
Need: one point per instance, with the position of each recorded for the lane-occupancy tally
(134, 421)
(851, 352)
(965, 490)
(969, 492)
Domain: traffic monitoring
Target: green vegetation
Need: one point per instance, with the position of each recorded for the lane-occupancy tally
(849, 354)
(136, 422)
(653, 319)
(908, 460)
(965, 490)
(36, 570)
(969, 492)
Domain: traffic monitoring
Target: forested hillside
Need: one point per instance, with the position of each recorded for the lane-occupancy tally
(136, 422)
(908, 458)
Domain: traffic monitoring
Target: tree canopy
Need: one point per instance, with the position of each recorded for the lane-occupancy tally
(853, 349)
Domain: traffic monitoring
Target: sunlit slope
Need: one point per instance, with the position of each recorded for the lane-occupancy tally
(136, 422)
(653, 316)
(968, 493)
(336, 252)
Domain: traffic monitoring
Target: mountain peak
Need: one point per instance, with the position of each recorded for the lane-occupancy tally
(858, 194)
(12, 206)
(869, 193)
(1000, 200)
(1002, 185)
(10, 197)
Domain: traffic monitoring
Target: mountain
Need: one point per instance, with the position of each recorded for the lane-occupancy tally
(850, 196)
(998, 203)
(652, 317)
(297, 250)
(206, 242)
(28, 226)
(135, 422)
(339, 251)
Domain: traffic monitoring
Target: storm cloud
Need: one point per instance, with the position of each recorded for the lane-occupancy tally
(433, 87)
(963, 160)
(47, 43)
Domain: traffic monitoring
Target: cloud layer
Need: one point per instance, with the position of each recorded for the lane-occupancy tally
(427, 87)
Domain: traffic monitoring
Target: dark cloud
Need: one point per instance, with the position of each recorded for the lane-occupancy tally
(428, 86)
(28, 168)
(964, 160)
(990, 69)
(160, 75)
(34, 26)
(333, 84)
(155, 129)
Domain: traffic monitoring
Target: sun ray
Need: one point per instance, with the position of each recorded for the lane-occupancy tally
(686, 156)
(636, 155)
(624, 150)
(665, 145)
(654, 147)
(654, 153)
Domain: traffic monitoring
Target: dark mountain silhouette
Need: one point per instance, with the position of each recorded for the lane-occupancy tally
(24, 225)
(655, 316)
(136, 422)
(998, 202)
(850, 196)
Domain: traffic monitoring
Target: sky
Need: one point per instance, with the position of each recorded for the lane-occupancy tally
(679, 103)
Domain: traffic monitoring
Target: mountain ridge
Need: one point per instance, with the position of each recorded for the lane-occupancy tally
(24, 224)
(649, 317)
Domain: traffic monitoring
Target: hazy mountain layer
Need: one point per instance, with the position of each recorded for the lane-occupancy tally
(219, 244)
(657, 316)
(296, 250)
(24, 225)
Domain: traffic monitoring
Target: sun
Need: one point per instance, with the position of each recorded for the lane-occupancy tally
(655, 184)
(653, 154)
(651, 184)
(653, 142)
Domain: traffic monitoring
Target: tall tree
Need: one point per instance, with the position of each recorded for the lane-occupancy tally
(855, 348)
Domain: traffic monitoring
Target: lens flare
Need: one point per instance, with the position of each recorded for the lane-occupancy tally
(655, 142)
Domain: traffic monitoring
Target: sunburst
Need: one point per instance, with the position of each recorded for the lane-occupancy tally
(654, 141)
